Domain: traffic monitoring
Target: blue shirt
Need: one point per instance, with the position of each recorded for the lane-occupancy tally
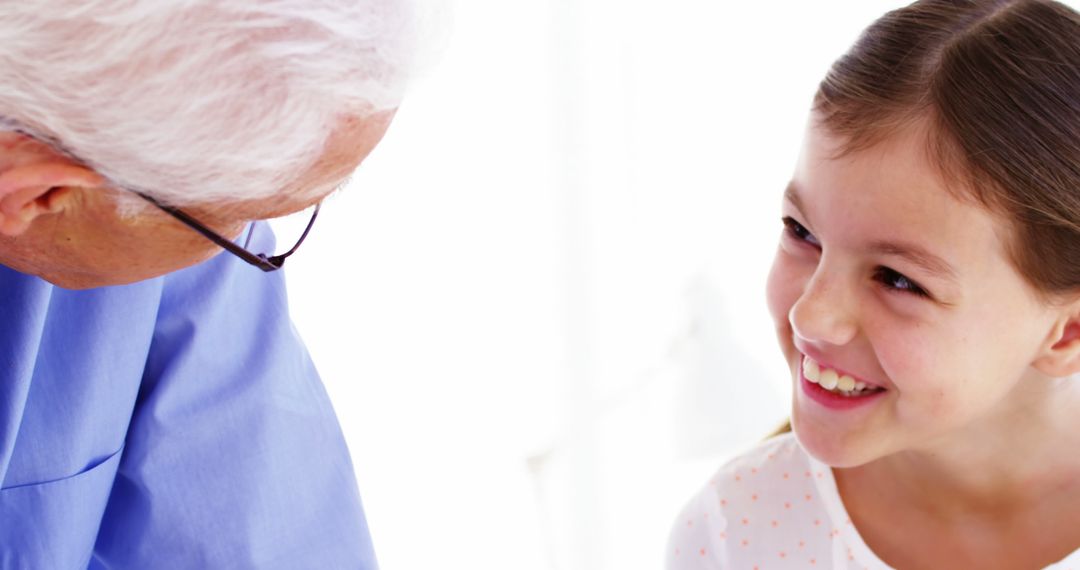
(176, 422)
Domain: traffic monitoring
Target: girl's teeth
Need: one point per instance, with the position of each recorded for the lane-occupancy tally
(846, 383)
(831, 380)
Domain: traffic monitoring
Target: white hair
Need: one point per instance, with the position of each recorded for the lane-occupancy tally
(200, 100)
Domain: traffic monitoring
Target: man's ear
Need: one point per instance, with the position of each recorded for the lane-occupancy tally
(1061, 355)
(32, 190)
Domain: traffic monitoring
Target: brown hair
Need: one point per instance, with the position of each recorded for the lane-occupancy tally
(999, 83)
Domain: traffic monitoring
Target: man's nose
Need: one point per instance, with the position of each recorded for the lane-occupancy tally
(826, 312)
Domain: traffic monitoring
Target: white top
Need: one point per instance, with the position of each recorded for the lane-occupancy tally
(774, 508)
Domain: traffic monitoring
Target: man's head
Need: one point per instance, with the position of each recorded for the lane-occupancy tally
(232, 110)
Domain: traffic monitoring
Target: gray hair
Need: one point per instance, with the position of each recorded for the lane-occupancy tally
(200, 100)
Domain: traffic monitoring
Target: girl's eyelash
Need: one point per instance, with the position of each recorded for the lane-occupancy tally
(799, 232)
(895, 281)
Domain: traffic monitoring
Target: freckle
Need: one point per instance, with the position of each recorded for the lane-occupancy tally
(787, 505)
(753, 471)
(723, 502)
(813, 561)
(820, 475)
(702, 552)
(753, 497)
(745, 522)
(738, 478)
(808, 497)
(689, 523)
(745, 542)
(676, 552)
(783, 554)
(786, 476)
(817, 522)
(775, 524)
(723, 536)
(808, 474)
(802, 543)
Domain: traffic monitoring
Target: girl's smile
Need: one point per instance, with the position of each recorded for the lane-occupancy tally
(833, 388)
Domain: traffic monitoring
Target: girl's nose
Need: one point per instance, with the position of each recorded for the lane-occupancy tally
(825, 312)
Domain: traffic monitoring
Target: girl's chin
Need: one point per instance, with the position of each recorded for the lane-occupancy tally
(833, 449)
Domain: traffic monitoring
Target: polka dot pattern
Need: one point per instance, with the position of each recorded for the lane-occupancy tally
(774, 508)
(767, 509)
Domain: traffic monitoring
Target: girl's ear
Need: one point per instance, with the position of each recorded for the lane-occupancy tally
(1061, 356)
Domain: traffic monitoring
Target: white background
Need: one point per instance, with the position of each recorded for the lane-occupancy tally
(539, 306)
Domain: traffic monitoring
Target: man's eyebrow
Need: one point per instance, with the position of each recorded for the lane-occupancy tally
(917, 255)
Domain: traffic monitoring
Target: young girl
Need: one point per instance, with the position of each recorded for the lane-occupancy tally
(926, 295)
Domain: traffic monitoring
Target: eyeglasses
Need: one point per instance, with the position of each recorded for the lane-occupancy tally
(260, 260)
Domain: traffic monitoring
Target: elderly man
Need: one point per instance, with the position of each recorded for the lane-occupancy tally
(156, 407)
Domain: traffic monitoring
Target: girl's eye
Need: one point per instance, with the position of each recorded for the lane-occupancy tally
(897, 282)
(798, 232)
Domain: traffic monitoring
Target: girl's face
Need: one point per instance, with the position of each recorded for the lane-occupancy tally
(904, 323)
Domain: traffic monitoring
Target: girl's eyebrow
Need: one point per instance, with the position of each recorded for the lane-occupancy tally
(915, 254)
(792, 195)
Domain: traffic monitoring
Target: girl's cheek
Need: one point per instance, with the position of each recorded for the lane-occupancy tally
(786, 282)
(905, 353)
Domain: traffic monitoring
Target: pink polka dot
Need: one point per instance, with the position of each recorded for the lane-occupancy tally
(702, 552)
(783, 554)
